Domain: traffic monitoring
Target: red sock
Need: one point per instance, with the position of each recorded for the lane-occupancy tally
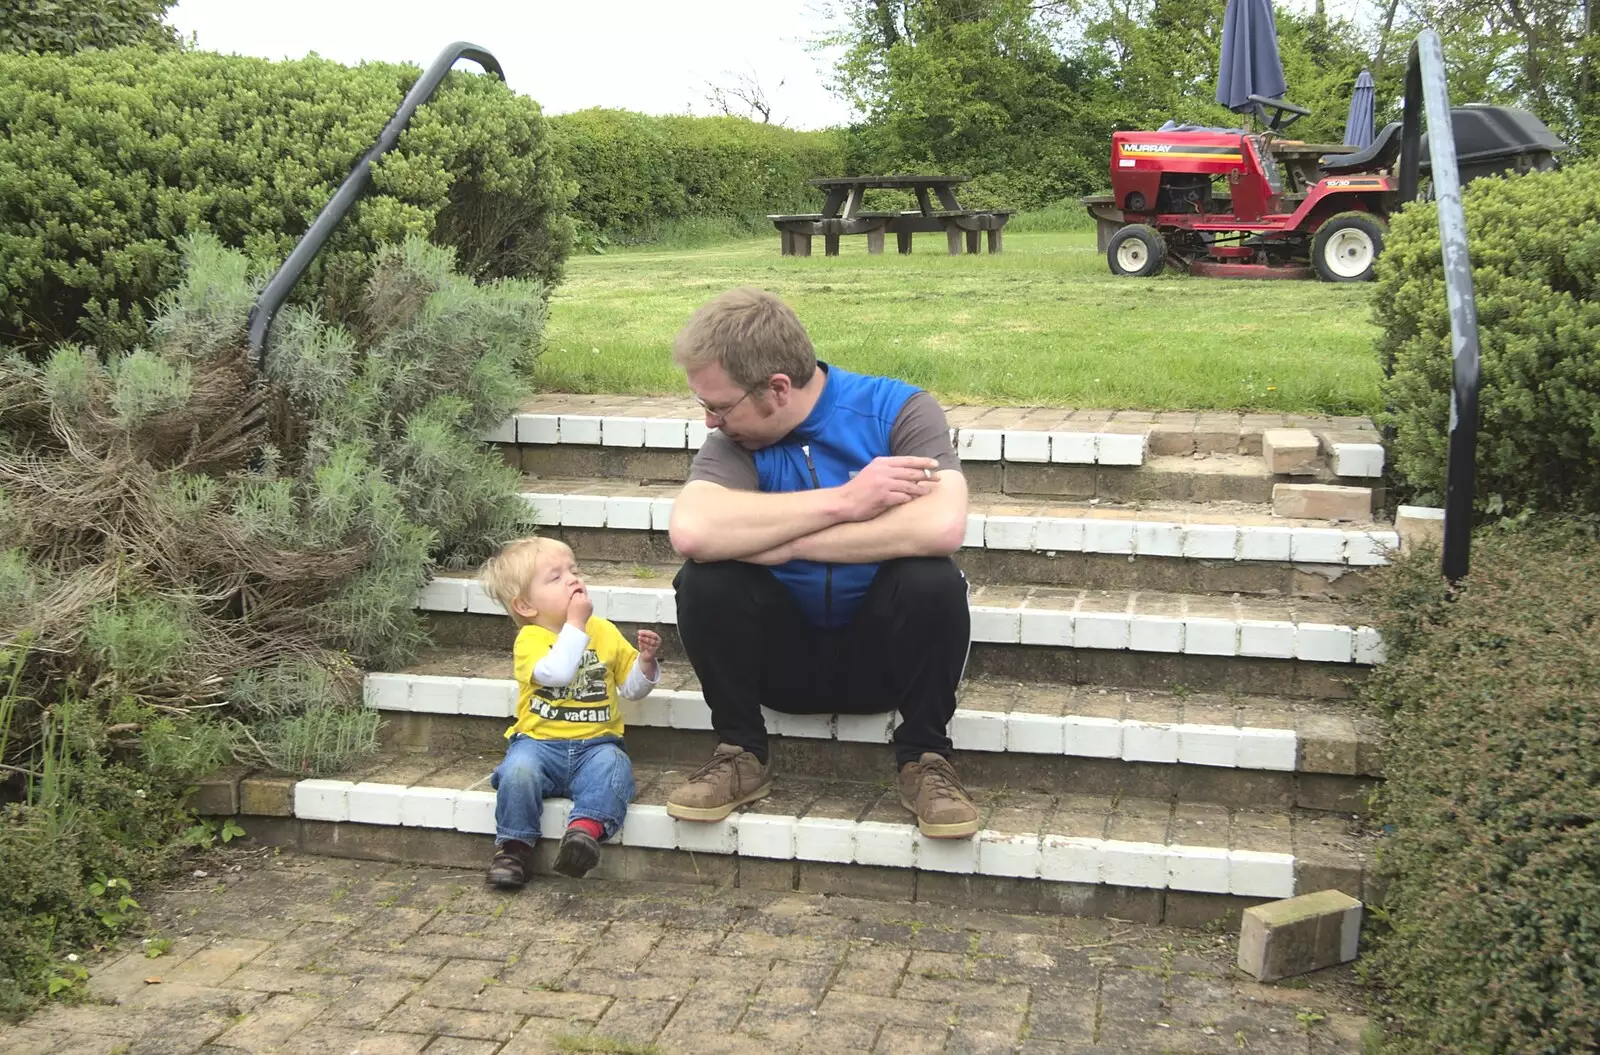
(592, 828)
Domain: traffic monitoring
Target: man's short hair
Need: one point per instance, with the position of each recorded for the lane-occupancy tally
(506, 575)
(751, 334)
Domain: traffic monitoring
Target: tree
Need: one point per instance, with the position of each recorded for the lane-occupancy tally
(71, 26)
(742, 96)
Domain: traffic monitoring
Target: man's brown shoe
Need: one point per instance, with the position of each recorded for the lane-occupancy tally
(930, 789)
(732, 778)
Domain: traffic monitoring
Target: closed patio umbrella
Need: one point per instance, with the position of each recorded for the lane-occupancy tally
(1250, 63)
(1358, 126)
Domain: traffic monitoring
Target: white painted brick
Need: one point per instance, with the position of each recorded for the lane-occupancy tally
(713, 837)
(652, 712)
(1047, 626)
(1088, 736)
(947, 855)
(583, 511)
(1155, 633)
(1113, 448)
(1266, 639)
(698, 433)
(553, 815)
(1157, 538)
(1316, 545)
(889, 845)
(689, 713)
(628, 513)
(1358, 459)
(505, 432)
(1324, 643)
(435, 694)
(1008, 532)
(1100, 630)
(1059, 535)
(764, 835)
(1203, 869)
(489, 697)
(372, 803)
(478, 600)
(443, 595)
(1210, 637)
(544, 508)
(864, 728)
(1036, 734)
(666, 433)
(475, 812)
(1263, 543)
(1208, 745)
(322, 800)
(978, 730)
(1026, 445)
(979, 445)
(1006, 854)
(1133, 864)
(580, 428)
(387, 692)
(973, 539)
(661, 514)
(825, 839)
(1068, 859)
(538, 428)
(649, 826)
(632, 604)
(1272, 749)
(1107, 536)
(996, 624)
(1365, 549)
(667, 603)
(622, 432)
(1369, 646)
(428, 808)
(1257, 873)
(1149, 742)
(809, 726)
(1072, 448)
(1210, 541)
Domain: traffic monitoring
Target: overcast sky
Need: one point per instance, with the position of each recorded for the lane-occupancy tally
(639, 55)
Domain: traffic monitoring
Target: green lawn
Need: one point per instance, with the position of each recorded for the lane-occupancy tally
(1042, 323)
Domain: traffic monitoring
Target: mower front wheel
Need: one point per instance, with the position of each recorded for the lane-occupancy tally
(1136, 251)
(1346, 246)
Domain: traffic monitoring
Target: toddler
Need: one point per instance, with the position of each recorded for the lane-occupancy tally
(567, 740)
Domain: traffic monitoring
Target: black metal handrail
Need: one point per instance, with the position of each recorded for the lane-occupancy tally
(352, 189)
(1425, 86)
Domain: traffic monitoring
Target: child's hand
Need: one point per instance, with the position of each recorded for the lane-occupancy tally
(580, 607)
(649, 645)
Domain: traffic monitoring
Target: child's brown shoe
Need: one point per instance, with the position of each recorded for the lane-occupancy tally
(578, 854)
(512, 865)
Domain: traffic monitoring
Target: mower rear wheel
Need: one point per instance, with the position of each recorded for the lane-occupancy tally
(1136, 251)
(1346, 246)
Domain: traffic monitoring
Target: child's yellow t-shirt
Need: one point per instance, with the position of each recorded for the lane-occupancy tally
(587, 707)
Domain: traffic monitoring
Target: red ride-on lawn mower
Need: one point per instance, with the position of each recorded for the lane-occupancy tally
(1227, 203)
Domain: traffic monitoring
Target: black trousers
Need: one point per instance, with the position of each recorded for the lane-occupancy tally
(904, 650)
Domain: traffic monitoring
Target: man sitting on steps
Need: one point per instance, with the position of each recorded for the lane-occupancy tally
(818, 523)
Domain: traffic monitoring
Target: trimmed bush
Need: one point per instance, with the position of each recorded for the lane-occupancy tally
(638, 174)
(1492, 795)
(109, 157)
(1535, 245)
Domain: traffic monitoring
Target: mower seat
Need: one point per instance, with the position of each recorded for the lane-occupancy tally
(1383, 152)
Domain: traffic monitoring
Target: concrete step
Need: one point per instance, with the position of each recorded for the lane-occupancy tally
(1232, 751)
(1139, 859)
(1171, 546)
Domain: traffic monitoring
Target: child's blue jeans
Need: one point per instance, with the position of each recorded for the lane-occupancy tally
(596, 774)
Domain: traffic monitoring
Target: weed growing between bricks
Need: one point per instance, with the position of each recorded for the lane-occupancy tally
(1490, 926)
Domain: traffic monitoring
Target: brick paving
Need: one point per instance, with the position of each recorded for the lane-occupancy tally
(323, 956)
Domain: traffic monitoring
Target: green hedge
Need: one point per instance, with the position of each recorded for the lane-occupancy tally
(1535, 245)
(1492, 796)
(108, 157)
(636, 174)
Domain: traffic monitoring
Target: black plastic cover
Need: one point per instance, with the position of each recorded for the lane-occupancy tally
(1495, 133)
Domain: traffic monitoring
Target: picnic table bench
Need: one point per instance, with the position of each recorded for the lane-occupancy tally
(842, 215)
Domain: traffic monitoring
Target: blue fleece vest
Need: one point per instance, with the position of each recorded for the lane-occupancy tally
(847, 428)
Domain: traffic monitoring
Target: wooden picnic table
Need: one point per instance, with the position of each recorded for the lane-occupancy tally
(842, 214)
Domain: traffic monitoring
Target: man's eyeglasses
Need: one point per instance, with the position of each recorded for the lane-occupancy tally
(720, 414)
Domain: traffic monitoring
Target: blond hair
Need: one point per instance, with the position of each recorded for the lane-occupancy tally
(507, 574)
(751, 334)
